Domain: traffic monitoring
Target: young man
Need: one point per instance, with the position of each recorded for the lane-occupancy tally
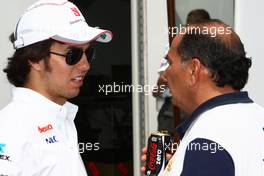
(53, 51)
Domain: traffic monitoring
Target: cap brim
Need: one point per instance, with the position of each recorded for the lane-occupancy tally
(81, 33)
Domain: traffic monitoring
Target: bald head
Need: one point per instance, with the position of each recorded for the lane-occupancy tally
(219, 49)
(219, 31)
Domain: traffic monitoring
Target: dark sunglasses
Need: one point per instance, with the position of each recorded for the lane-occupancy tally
(74, 55)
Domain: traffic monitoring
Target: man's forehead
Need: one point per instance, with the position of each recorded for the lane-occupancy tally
(83, 46)
(175, 43)
(69, 46)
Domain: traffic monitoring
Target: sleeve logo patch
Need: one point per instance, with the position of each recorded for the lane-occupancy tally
(2, 146)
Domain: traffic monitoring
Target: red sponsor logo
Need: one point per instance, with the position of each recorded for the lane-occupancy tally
(76, 11)
(45, 128)
(152, 156)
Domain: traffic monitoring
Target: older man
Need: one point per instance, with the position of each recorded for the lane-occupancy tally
(224, 135)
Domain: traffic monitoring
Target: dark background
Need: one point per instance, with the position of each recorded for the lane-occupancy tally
(107, 119)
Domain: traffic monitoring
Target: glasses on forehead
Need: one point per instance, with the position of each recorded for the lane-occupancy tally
(74, 55)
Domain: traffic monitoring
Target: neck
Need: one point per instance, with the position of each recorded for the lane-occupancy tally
(208, 93)
(37, 87)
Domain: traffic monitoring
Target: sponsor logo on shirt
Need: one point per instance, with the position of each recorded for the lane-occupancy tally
(51, 140)
(2, 146)
(45, 128)
(3, 157)
(169, 166)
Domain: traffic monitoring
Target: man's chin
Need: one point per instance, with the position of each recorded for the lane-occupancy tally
(174, 102)
(73, 94)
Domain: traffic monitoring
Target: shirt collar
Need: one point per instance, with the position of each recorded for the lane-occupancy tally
(36, 99)
(229, 98)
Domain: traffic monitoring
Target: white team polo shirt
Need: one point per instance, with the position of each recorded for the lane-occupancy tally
(232, 121)
(38, 137)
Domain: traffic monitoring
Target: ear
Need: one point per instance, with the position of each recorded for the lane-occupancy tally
(38, 66)
(194, 70)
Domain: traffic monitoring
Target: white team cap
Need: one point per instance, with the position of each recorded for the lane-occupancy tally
(57, 19)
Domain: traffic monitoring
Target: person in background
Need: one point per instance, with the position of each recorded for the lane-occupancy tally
(196, 16)
(53, 52)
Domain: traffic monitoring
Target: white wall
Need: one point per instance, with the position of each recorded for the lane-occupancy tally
(156, 41)
(249, 25)
(9, 14)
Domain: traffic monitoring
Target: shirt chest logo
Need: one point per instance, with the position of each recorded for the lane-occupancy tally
(45, 128)
(51, 140)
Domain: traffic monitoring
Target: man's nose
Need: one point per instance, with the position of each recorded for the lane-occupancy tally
(83, 64)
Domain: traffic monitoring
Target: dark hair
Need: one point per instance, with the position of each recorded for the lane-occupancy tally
(223, 55)
(197, 15)
(18, 66)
